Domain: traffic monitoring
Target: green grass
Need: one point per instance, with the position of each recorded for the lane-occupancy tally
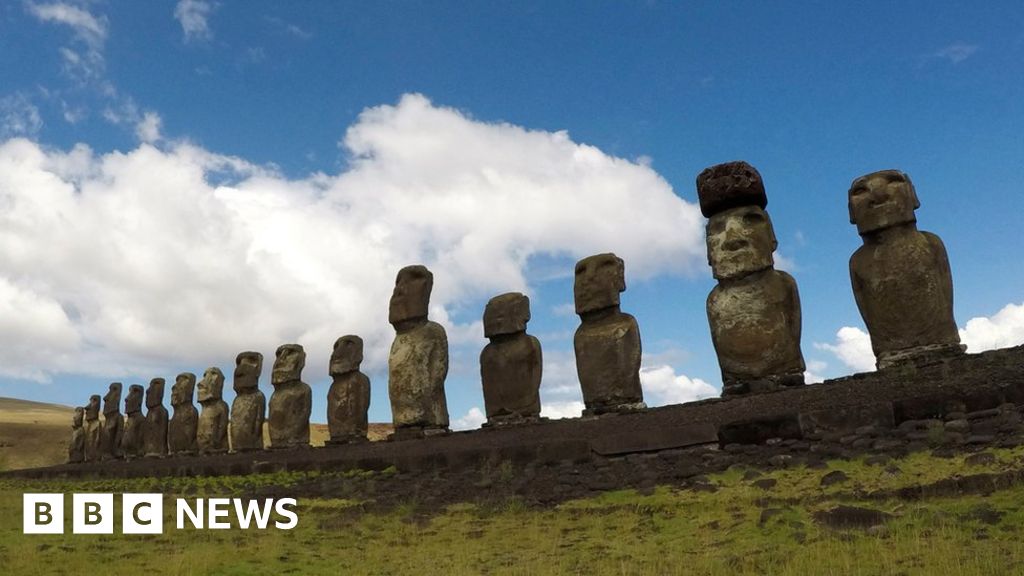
(669, 531)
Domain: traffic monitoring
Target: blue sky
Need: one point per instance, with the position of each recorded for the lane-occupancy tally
(185, 180)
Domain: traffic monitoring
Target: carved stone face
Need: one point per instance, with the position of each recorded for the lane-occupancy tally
(112, 400)
(76, 420)
(599, 280)
(92, 410)
(507, 314)
(211, 387)
(288, 364)
(155, 393)
(881, 200)
(411, 296)
(133, 402)
(347, 355)
(248, 367)
(184, 386)
(740, 241)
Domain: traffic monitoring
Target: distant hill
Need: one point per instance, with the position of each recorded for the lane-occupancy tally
(35, 434)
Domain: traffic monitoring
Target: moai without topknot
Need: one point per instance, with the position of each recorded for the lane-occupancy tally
(901, 278)
(212, 430)
(76, 447)
(607, 343)
(348, 400)
(754, 311)
(93, 430)
(249, 408)
(155, 439)
(418, 363)
(510, 365)
(181, 430)
(292, 400)
(113, 423)
(134, 423)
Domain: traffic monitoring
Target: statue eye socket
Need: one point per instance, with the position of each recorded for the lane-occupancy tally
(752, 218)
(858, 190)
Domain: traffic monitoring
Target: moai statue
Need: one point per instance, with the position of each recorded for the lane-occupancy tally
(212, 429)
(181, 430)
(418, 363)
(113, 423)
(134, 423)
(155, 438)
(93, 430)
(901, 278)
(76, 447)
(510, 365)
(349, 397)
(292, 400)
(754, 311)
(607, 343)
(248, 410)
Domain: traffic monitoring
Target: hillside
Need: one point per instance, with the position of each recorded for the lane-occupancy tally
(34, 434)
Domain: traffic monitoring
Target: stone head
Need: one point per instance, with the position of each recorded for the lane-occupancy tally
(881, 200)
(740, 241)
(248, 367)
(76, 420)
(411, 296)
(211, 387)
(347, 355)
(112, 400)
(507, 314)
(155, 393)
(288, 364)
(184, 386)
(729, 185)
(133, 402)
(92, 409)
(599, 280)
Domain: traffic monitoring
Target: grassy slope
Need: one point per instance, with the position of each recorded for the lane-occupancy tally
(737, 529)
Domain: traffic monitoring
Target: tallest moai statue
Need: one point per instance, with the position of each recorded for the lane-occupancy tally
(901, 278)
(754, 311)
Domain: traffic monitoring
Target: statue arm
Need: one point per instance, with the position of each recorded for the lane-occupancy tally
(942, 266)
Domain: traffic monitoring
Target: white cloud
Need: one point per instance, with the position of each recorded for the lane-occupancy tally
(815, 371)
(148, 128)
(853, 348)
(556, 410)
(193, 15)
(662, 386)
(178, 255)
(1004, 329)
(84, 59)
(19, 116)
(956, 52)
(471, 420)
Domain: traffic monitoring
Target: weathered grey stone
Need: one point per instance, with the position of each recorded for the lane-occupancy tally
(900, 276)
(93, 430)
(249, 408)
(113, 423)
(754, 311)
(134, 423)
(511, 364)
(181, 431)
(292, 400)
(418, 362)
(76, 447)
(607, 343)
(348, 400)
(155, 436)
(212, 430)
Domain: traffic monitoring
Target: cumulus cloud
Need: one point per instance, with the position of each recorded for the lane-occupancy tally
(556, 410)
(175, 255)
(815, 371)
(853, 348)
(1002, 330)
(19, 116)
(193, 15)
(663, 386)
(148, 128)
(83, 59)
(471, 420)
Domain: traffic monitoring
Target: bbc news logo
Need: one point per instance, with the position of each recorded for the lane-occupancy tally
(144, 513)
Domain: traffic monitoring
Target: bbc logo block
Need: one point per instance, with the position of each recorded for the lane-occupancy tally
(93, 513)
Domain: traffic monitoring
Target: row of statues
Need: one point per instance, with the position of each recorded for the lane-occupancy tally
(901, 283)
